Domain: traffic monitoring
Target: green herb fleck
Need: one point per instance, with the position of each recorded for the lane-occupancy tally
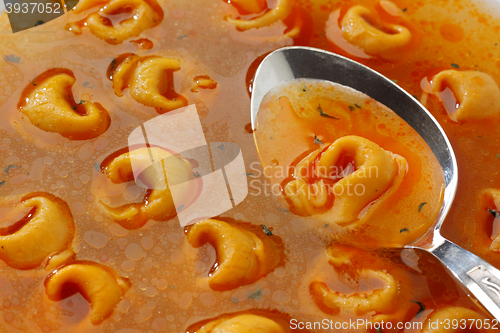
(326, 225)
(304, 89)
(171, 287)
(33, 82)
(498, 156)
(96, 166)
(81, 102)
(317, 141)
(495, 213)
(378, 329)
(266, 230)
(395, 81)
(181, 37)
(404, 9)
(235, 300)
(356, 105)
(39, 22)
(455, 66)
(404, 230)
(421, 309)
(2, 182)
(352, 108)
(421, 206)
(415, 96)
(74, 107)
(113, 64)
(323, 114)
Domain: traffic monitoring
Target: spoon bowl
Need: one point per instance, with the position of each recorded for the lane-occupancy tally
(478, 278)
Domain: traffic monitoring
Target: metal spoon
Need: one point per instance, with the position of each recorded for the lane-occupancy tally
(477, 277)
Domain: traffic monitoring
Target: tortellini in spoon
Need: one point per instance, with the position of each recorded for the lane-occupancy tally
(340, 181)
(98, 284)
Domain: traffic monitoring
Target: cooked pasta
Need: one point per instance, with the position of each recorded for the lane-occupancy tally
(157, 203)
(245, 323)
(364, 29)
(42, 226)
(389, 302)
(148, 81)
(280, 12)
(467, 95)
(100, 286)
(144, 14)
(49, 105)
(454, 314)
(244, 253)
(342, 180)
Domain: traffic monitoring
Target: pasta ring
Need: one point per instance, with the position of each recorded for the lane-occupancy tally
(145, 77)
(146, 14)
(329, 194)
(49, 105)
(98, 284)
(280, 12)
(475, 93)
(242, 256)
(358, 31)
(158, 203)
(244, 323)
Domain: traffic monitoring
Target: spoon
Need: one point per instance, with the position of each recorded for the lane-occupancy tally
(478, 278)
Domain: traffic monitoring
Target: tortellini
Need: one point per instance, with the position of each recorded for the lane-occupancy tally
(338, 183)
(42, 226)
(243, 323)
(157, 203)
(144, 14)
(98, 284)
(49, 105)
(389, 302)
(244, 253)
(455, 314)
(361, 303)
(467, 95)
(364, 29)
(280, 12)
(149, 79)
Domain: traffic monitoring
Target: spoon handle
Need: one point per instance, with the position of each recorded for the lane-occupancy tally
(480, 279)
